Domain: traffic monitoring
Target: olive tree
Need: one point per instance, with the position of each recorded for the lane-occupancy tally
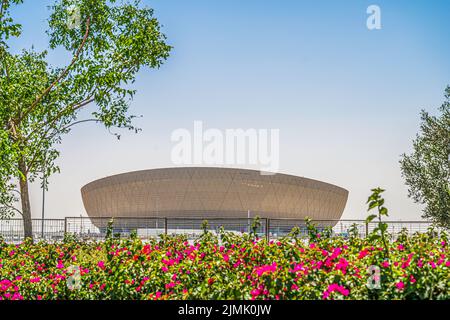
(427, 169)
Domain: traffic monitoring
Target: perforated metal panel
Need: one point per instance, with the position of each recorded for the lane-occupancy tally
(212, 192)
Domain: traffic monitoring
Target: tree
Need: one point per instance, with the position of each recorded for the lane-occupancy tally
(427, 169)
(109, 42)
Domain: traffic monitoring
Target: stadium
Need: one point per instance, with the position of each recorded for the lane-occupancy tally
(212, 193)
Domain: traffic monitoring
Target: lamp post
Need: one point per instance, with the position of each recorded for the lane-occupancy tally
(44, 179)
(43, 211)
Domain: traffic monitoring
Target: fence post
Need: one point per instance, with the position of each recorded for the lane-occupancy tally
(367, 228)
(165, 225)
(267, 229)
(65, 225)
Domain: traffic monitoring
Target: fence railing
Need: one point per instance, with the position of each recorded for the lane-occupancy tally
(95, 228)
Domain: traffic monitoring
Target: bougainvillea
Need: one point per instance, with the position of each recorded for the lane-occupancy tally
(227, 266)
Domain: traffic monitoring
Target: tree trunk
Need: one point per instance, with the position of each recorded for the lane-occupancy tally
(25, 199)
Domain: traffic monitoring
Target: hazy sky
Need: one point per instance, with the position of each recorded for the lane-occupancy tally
(346, 99)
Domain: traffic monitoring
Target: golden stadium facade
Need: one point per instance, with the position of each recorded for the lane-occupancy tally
(204, 192)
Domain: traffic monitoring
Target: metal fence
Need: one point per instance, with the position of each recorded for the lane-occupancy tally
(91, 228)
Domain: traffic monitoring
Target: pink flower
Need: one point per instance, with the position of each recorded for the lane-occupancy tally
(266, 269)
(226, 258)
(335, 288)
(17, 296)
(101, 265)
(169, 262)
(412, 279)
(336, 253)
(60, 265)
(342, 265)
(400, 285)
(363, 253)
(33, 280)
(255, 292)
(170, 285)
(385, 264)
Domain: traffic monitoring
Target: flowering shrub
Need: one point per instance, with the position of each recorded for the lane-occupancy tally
(227, 266)
(231, 266)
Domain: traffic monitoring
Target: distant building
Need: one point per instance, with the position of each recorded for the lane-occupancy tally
(204, 192)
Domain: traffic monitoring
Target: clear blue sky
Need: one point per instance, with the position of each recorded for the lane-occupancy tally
(346, 99)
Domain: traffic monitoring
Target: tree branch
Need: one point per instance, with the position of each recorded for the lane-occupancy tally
(32, 162)
(11, 207)
(75, 123)
(62, 75)
(59, 114)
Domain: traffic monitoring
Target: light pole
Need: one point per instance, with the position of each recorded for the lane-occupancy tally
(44, 179)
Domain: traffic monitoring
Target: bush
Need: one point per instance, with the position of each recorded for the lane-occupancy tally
(232, 267)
